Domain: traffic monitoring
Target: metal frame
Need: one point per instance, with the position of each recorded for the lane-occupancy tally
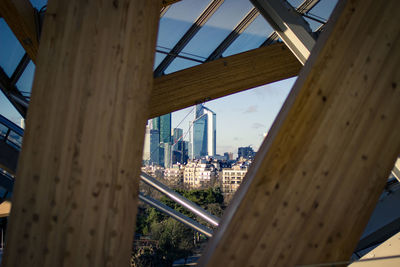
(289, 25)
(199, 211)
(180, 45)
(303, 8)
(176, 215)
(12, 93)
(243, 24)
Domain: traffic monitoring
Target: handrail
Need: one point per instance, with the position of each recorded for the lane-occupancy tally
(176, 215)
(148, 179)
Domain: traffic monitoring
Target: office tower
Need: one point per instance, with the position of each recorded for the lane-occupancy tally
(178, 132)
(163, 125)
(167, 155)
(155, 147)
(203, 133)
(146, 146)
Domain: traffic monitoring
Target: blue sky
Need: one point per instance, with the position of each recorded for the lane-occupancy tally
(242, 119)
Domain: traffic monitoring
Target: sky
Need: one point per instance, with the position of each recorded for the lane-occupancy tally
(244, 118)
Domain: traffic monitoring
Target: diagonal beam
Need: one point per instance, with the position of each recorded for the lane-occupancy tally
(246, 21)
(180, 45)
(318, 175)
(222, 77)
(78, 172)
(243, 24)
(289, 25)
(303, 8)
(21, 18)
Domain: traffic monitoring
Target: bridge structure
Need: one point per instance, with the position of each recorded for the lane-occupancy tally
(315, 181)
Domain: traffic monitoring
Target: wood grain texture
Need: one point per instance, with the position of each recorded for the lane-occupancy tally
(75, 198)
(222, 77)
(20, 17)
(319, 173)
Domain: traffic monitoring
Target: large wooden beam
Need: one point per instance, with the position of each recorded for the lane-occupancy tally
(318, 175)
(75, 198)
(20, 17)
(222, 77)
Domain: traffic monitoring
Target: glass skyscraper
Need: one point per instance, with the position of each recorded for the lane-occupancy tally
(162, 126)
(203, 134)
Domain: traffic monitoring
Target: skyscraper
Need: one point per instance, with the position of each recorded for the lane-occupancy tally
(161, 126)
(146, 146)
(203, 133)
(155, 147)
(178, 132)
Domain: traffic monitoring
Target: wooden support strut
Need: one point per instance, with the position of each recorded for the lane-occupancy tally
(76, 195)
(222, 77)
(20, 17)
(318, 175)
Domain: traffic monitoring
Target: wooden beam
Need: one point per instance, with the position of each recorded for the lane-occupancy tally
(76, 195)
(222, 77)
(318, 175)
(20, 17)
(166, 3)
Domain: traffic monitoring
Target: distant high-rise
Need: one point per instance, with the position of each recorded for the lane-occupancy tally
(178, 132)
(163, 124)
(203, 133)
(155, 147)
(146, 146)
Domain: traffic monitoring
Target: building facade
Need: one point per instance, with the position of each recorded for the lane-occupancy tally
(198, 174)
(232, 178)
(203, 133)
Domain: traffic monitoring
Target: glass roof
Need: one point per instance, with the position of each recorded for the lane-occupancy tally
(174, 23)
(24, 83)
(251, 38)
(177, 20)
(11, 50)
(218, 27)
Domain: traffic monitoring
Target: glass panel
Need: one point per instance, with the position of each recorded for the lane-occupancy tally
(224, 20)
(38, 4)
(313, 24)
(24, 83)
(11, 50)
(177, 20)
(8, 110)
(251, 38)
(159, 57)
(323, 9)
(180, 64)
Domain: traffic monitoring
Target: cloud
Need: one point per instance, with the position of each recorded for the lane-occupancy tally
(257, 125)
(251, 109)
